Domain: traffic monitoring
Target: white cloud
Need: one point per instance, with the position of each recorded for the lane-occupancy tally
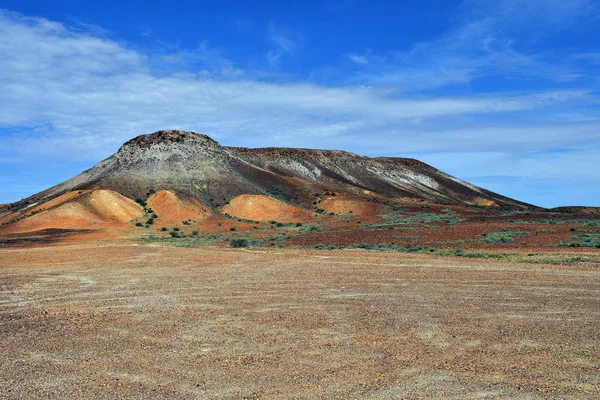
(358, 59)
(67, 93)
(284, 45)
(530, 14)
(489, 39)
(86, 92)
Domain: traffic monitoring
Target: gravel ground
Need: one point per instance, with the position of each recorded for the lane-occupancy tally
(141, 322)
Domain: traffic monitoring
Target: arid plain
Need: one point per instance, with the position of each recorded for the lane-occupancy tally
(123, 320)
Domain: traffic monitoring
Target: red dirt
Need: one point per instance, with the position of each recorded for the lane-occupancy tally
(264, 208)
(348, 206)
(173, 210)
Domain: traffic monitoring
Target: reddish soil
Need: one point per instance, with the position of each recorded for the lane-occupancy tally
(409, 223)
(173, 210)
(264, 208)
(348, 206)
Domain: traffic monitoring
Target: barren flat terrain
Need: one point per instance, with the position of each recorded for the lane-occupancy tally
(119, 320)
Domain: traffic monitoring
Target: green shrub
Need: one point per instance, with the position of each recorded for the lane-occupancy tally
(233, 229)
(237, 243)
(590, 240)
(139, 224)
(298, 224)
(319, 246)
(176, 229)
(503, 236)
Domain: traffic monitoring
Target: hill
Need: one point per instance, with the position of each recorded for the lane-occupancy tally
(182, 175)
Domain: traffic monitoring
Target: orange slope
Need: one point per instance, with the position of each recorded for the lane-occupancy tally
(264, 208)
(90, 209)
(173, 210)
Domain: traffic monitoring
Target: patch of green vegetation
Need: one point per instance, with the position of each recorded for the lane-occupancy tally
(584, 222)
(418, 249)
(555, 259)
(406, 218)
(238, 243)
(141, 202)
(591, 240)
(503, 236)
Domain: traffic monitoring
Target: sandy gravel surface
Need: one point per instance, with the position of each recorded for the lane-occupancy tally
(114, 322)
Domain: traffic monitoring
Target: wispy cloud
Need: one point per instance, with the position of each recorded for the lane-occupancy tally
(67, 91)
(552, 14)
(488, 40)
(284, 45)
(91, 92)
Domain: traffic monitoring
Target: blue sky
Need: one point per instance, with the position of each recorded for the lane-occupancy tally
(503, 94)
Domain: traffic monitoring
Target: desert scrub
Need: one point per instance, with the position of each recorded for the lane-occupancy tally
(503, 236)
(591, 240)
(406, 218)
(238, 243)
(584, 222)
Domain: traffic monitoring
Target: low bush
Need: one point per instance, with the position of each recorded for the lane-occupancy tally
(238, 243)
(503, 236)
